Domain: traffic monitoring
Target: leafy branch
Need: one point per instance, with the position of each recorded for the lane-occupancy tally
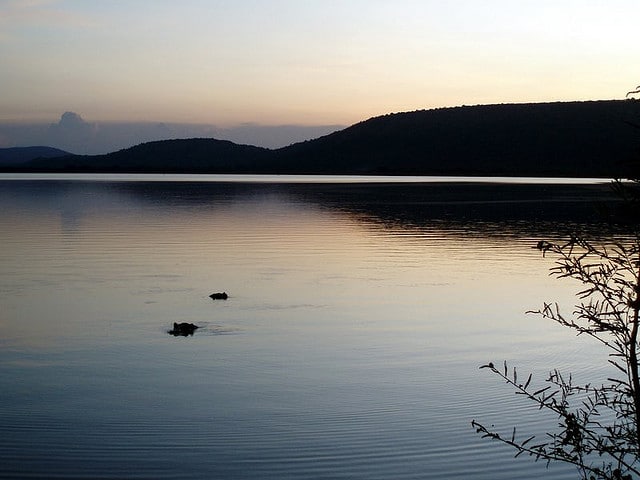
(598, 425)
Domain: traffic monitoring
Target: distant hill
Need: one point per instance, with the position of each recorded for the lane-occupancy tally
(18, 155)
(196, 155)
(577, 139)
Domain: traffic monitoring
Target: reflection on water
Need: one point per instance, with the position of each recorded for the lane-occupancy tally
(348, 347)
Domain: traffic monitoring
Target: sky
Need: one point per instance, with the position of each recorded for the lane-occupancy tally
(304, 63)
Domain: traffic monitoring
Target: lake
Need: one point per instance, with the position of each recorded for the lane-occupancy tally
(358, 315)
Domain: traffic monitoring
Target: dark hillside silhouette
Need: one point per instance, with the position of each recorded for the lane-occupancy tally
(549, 139)
(575, 139)
(196, 155)
(18, 155)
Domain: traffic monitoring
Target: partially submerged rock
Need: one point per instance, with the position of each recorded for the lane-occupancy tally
(219, 296)
(182, 329)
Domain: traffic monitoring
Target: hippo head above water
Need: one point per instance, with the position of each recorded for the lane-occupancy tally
(182, 329)
(219, 296)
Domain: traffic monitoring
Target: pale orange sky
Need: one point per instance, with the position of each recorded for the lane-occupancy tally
(309, 62)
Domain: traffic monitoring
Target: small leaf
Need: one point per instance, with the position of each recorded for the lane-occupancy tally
(528, 381)
(528, 440)
(541, 390)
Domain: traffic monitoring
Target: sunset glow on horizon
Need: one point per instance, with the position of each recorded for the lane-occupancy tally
(306, 62)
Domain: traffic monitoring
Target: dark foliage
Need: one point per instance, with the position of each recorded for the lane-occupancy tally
(598, 424)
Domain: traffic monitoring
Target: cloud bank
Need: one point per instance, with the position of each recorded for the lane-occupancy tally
(74, 134)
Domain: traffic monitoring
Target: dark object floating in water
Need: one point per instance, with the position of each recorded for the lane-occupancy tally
(219, 296)
(182, 329)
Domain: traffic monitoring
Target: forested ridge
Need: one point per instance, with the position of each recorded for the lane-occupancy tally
(577, 139)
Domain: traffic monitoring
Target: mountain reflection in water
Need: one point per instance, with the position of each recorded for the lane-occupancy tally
(411, 205)
(348, 348)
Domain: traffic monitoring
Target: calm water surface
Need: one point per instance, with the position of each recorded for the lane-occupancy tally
(348, 349)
